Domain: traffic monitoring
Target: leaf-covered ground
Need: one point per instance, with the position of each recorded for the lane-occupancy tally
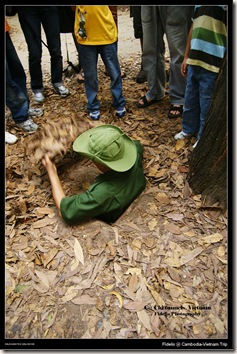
(160, 271)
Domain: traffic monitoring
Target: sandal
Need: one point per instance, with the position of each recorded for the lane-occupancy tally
(175, 108)
(146, 103)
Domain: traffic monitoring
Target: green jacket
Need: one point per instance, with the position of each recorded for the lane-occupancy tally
(108, 197)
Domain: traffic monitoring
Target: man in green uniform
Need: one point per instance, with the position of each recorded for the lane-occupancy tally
(122, 180)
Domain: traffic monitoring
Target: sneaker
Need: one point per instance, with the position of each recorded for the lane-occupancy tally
(35, 112)
(61, 90)
(95, 115)
(121, 112)
(39, 97)
(181, 135)
(10, 138)
(28, 125)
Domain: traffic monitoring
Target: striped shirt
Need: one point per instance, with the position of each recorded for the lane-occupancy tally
(209, 37)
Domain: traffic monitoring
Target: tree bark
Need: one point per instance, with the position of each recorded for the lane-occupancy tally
(208, 162)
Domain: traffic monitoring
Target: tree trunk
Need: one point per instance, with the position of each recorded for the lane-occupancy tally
(208, 163)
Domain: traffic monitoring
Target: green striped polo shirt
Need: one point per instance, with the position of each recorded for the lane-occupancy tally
(209, 37)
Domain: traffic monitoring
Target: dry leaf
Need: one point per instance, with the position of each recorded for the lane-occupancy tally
(108, 287)
(174, 274)
(78, 251)
(84, 299)
(186, 190)
(133, 283)
(158, 299)
(43, 277)
(137, 243)
(44, 211)
(196, 280)
(212, 238)
(133, 226)
(152, 224)
(41, 288)
(221, 251)
(197, 329)
(136, 271)
(118, 296)
(222, 260)
(191, 255)
(179, 144)
(134, 306)
(112, 248)
(174, 229)
(149, 242)
(162, 198)
(30, 190)
(22, 206)
(49, 256)
(52, 320)
(172, 262)
(175, 217)
(217, 323)
(70, 294)
(42, 223)
(145, 319)
(74, 264)
(189, 233)
(155, 324)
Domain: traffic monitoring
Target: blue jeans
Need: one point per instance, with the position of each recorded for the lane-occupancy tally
(31, 18)
(17, 99)
(198, 95)
(89, 59)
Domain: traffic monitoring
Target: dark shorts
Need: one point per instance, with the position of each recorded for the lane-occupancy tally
(135, 12)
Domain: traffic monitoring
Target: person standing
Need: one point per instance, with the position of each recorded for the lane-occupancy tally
(31, 18)
(17, 99)
(135, 13)
(175, 22)
(96, 33)
(204, 55)
(66, 21)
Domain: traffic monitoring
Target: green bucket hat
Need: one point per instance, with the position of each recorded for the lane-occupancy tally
(107, 145)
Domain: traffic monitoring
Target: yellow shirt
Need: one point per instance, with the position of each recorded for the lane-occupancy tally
(100, 27)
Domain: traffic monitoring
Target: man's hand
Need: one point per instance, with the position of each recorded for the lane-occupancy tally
(184, 67)
(57, 189)
(48, 164)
